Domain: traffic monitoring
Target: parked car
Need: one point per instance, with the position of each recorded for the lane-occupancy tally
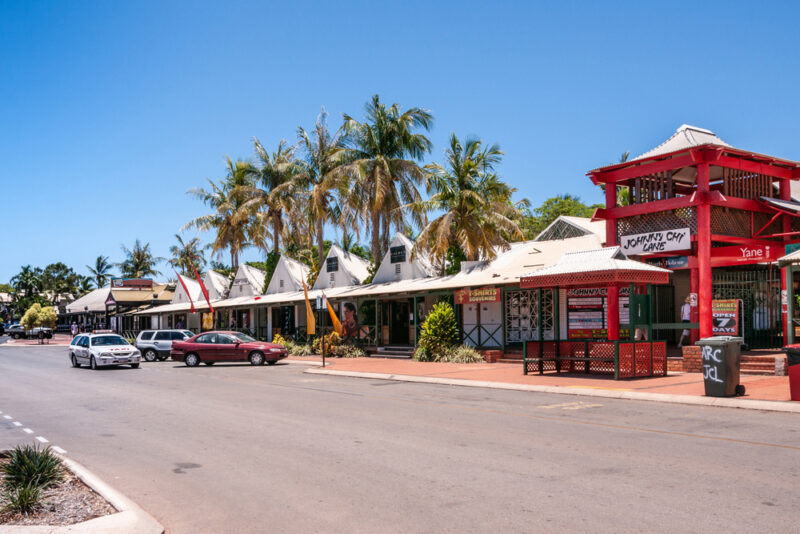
(102, 350)
(2, 328)
(226, 346)
(156, 344)
(16, 331)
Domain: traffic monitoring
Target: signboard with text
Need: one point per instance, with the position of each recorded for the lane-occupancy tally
(651, 242)
(725, 317)
(587, 312)
(670, 262)
(745, 254)
(478, 294)
(138, 283)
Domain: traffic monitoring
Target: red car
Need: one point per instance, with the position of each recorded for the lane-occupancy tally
(210, 347)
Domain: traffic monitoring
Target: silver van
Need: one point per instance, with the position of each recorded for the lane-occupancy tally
(156, 344)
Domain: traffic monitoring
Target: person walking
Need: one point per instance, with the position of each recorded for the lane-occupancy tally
(74, 329)
(686, 317)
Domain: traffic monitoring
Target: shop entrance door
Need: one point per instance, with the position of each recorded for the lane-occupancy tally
(399, 323)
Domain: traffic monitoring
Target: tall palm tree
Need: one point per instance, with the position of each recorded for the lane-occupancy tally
(28, 281)
(139, 261)
(478, 215)
(317, 186)
(101, 271)
(187, 254)
(232, 216)
(275, 170)
(385, 153)
(85, 284)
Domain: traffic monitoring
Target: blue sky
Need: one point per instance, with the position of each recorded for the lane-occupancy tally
(111, 111)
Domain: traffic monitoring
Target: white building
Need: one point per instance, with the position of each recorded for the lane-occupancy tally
(341, 269)
(398, 265)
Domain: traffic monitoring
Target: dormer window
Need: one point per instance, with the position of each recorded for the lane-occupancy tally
(332, 265)
(397, 254)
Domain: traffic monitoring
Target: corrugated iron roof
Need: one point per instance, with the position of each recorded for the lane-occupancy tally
(685, 137)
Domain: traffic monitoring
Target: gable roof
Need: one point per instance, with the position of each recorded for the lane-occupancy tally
(566, 226)
(94, 300)
(216, 283)
(255, 277)
(420, 266)
(297, 272)
(195, 292)
(354, 267)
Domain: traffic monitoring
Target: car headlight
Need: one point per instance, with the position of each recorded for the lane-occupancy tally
(106, 355)
(136, 353)
(276, 350)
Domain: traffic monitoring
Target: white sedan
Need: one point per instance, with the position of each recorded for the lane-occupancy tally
(102, 350)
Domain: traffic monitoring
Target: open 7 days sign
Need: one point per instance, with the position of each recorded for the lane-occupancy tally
(663, 241)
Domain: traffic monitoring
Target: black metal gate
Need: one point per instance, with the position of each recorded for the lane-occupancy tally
(759, 290)
(664, 312)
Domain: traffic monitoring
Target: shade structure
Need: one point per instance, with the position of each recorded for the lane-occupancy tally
(603, 267)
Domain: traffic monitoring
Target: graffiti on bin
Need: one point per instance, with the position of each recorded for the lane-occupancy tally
(711, 369)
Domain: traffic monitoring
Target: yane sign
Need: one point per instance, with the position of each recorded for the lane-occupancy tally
(744, 254)
(664, 241)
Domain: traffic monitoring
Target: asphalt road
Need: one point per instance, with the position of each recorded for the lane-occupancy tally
(255, 449)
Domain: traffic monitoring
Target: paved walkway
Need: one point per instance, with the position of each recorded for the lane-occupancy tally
(772, 388)
(59, 340)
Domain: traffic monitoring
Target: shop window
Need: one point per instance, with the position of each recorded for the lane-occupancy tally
(397, 254)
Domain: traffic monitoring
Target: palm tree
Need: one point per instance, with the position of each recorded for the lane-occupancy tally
(275, 170)
(187, 254)
(316, 186)
(139, 261)
(85, 285)
(478, 213)
(28, 281)
(232, 216)
(101, 271)
(385, 153)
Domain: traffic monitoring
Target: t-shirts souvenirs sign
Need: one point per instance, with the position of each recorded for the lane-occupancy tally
(662, 241)
(478, 294)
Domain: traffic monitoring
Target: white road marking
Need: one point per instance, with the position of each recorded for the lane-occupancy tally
(17, 423)
(7, 417)
(27, 430)
(40, 438)
(59, 450)
(571, 406)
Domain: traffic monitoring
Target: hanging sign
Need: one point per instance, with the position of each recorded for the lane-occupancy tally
(663, 241)
(745, 254)
(725, 317)
(478, 294)
(670, 262)
(139, 283)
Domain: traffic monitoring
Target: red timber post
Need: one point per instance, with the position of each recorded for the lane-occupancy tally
(694, 333)
(704, 293)
(786, 291)
(611, 240)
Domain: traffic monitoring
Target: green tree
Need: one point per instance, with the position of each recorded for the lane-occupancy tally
(139, 261)
(38, 316)
(317, 185)
(101, 271)
(348, 243)
(384, 153)
(187, 254)
(59, 281)
(551, 209)
(438, 334)
(477, 212)
(232, 216)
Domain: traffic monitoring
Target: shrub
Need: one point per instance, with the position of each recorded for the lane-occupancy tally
(38, 315)
(23, 499)
(331, 340)
(29, 465)
(279, 340)
(439, 333)
(302, 350)
(346, 351)
(462, 354)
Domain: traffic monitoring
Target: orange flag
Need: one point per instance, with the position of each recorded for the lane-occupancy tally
(311, 324)
(337, 324)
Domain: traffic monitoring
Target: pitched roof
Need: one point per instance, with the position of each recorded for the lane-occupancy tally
(298, 270)
(193, 288)
(94, 300)
(255, 277)
(685, 137)
(219, 281)
(566, 226)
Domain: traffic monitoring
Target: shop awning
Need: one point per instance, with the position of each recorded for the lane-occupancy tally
(603, 267)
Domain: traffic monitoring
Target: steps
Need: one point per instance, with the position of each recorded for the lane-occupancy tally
(758, 365)
(392, 352)
(511, 357)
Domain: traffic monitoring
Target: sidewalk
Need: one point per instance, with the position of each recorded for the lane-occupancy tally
(762, 388)
(58, 340)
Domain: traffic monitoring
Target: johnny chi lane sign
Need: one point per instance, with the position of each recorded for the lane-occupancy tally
(663, 241)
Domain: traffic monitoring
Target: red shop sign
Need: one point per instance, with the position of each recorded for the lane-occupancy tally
(745, 254)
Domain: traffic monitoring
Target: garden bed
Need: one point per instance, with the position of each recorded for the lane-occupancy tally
(67, 502)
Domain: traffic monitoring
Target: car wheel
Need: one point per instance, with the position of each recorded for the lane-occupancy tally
(16, 336)
(150, 355)
(272, 362)
(93, 364)
(209, 363)
(74, 361)
(256, 358)
(191, 360)
(49, 336)
(134, 366)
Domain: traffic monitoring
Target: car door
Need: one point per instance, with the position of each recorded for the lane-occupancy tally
(162, 341)
(226, 348)
(206, 347)
(84, 349)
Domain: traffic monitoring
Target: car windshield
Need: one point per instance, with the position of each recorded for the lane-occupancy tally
(244, 338)
(100, 341)
(188, 334)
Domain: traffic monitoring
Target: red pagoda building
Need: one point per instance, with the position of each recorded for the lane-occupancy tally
(718, 217)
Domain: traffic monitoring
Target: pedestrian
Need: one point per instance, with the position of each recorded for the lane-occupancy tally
(74, 329)
(686, 317)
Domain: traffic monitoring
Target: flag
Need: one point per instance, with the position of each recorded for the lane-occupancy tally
(189, 295)
(337, 324)
(203, 288)
(311, 324)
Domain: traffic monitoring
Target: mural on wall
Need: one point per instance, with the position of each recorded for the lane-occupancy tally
(350, 325)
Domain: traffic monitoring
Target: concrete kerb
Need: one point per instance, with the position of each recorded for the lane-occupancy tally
(129, 519)
(750, 404)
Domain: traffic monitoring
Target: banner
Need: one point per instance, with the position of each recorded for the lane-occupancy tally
(337, 325)
(188, 295)
(725, 317)
(664, 241)
(476, 295)
(311, 323)
(745, 254)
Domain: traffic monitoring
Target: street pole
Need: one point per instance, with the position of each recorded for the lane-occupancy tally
(322, 310)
